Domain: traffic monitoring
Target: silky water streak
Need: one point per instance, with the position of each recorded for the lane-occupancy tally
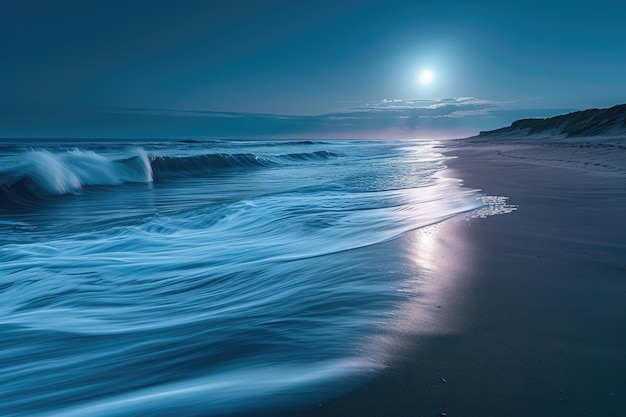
(202, 277)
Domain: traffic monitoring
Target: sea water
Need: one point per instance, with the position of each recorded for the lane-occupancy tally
(202, 277)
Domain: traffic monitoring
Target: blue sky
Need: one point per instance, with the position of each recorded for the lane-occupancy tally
(301, 69)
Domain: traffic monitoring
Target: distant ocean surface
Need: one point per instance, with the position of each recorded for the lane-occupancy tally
(161, 278)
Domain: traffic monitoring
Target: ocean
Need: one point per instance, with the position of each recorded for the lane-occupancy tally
(157, 277)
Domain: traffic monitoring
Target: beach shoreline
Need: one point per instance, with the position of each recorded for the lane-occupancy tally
(534, 313)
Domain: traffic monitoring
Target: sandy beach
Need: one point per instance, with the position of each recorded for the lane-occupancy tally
(528, 317)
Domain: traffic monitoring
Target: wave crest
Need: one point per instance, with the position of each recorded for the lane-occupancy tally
(45, 174)
(180, 166)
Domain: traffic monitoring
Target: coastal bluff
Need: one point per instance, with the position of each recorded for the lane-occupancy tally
(592, 122)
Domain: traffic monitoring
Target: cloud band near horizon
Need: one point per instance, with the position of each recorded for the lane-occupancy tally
(385, 119)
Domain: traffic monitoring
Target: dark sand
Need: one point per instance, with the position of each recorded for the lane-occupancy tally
(532, 317)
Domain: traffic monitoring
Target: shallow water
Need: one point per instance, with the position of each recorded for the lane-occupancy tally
(202, 277)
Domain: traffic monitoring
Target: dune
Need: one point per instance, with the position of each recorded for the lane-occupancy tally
(608, 122)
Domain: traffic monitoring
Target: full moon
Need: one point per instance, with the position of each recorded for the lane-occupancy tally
(426, 77)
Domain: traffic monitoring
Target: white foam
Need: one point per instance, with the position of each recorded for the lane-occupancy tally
(68, 172)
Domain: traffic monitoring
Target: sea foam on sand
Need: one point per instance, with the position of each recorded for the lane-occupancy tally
(534, 301)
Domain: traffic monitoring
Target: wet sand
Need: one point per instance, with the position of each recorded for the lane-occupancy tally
(529, 316)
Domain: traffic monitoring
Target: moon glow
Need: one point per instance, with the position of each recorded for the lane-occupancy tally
(426, 77)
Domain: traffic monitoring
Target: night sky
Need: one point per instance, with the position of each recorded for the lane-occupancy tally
(345, 69)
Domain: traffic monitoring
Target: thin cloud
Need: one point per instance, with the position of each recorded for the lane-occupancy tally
(405, 117)
(385, 118)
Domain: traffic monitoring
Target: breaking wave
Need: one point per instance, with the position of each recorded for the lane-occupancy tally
(45, 174)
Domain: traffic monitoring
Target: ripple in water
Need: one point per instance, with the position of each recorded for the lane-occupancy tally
(203, 278)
